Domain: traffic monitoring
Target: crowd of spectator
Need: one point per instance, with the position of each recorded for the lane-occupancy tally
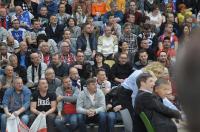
(93, 61)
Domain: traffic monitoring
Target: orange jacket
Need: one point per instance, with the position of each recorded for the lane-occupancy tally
(101, 8)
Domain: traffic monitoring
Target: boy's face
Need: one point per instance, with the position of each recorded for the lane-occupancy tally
(43, 11)
(163, 90)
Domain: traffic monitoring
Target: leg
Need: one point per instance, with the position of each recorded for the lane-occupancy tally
(50, 122)
(73, 120)
(127, 120)
(60, 124)
(0, 117)
(111, 116)
(25, 119)
(3, 122)
(82, 122)
(31, 119)
(102, 121)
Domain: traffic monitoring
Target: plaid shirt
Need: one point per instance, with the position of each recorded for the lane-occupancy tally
(132, 41)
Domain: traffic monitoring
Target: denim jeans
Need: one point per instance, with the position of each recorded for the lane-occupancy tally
(71, 119)
(24, 118)
(112, 118)
(100, 118)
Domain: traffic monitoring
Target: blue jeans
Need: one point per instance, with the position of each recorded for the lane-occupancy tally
(71, 119)
(112, 118)
(100, 118)
(24, 118)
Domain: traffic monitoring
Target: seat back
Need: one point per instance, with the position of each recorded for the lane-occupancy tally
(110, 62)
(146, 122)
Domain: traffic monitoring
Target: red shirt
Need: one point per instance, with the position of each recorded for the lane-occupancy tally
(69, 108)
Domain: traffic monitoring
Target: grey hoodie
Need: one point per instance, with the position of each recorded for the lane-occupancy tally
(73, 98)
(84, 102)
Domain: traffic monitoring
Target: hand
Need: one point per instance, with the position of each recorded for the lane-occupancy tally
(44, 113)
(113, 56)
(117, 19)
(60, 116)
(12, 5)
(107, 90)
(5, 61)
(98, 14)
(93, 112)
(59, 98)
(90, 112)
(170, 97)
(109, 106)
(93, 54)
(16, 113)
(78, 66)
(6, 86)
(117, 108)
(121, 80)
(8, 115)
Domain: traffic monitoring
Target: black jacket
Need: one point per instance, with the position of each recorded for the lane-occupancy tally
(158, 114)
(21, 71)
(61, 70)
(85, 72)
(27, 58)
(57, 35)
(120, 96)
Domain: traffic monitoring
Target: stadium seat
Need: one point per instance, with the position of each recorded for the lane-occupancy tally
(110, 62)
(146, 122)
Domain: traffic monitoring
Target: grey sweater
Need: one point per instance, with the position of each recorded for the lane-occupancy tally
(84, 102)
(60, 91)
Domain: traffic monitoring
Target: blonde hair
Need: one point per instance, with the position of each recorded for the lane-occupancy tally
(155, 68)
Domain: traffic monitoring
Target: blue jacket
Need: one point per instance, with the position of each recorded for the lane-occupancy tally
(82, 42)
(52, 8)
(14, 101)
(116, 14)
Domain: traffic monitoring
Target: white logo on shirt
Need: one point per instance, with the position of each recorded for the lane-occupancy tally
(43, 102)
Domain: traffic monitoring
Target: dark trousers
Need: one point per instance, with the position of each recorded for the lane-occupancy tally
(100, 118)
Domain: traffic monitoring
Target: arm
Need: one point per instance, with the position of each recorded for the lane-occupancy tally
(72, 98)
(5, 102)
(151, 102)
(101, 104)
(43, 69)
(123, 6)
(94, 43)
(78, 32)
(27, 94)
(118, 30)
(100, 44)
(29, 74)
(79, 104)
(176, 43)
(79, 43)
(93, 9)
(53, 46)
(33, 108)
(53, 108)
(105, 17)
(115, 44)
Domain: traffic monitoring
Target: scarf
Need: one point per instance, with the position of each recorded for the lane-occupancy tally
(39, 72)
